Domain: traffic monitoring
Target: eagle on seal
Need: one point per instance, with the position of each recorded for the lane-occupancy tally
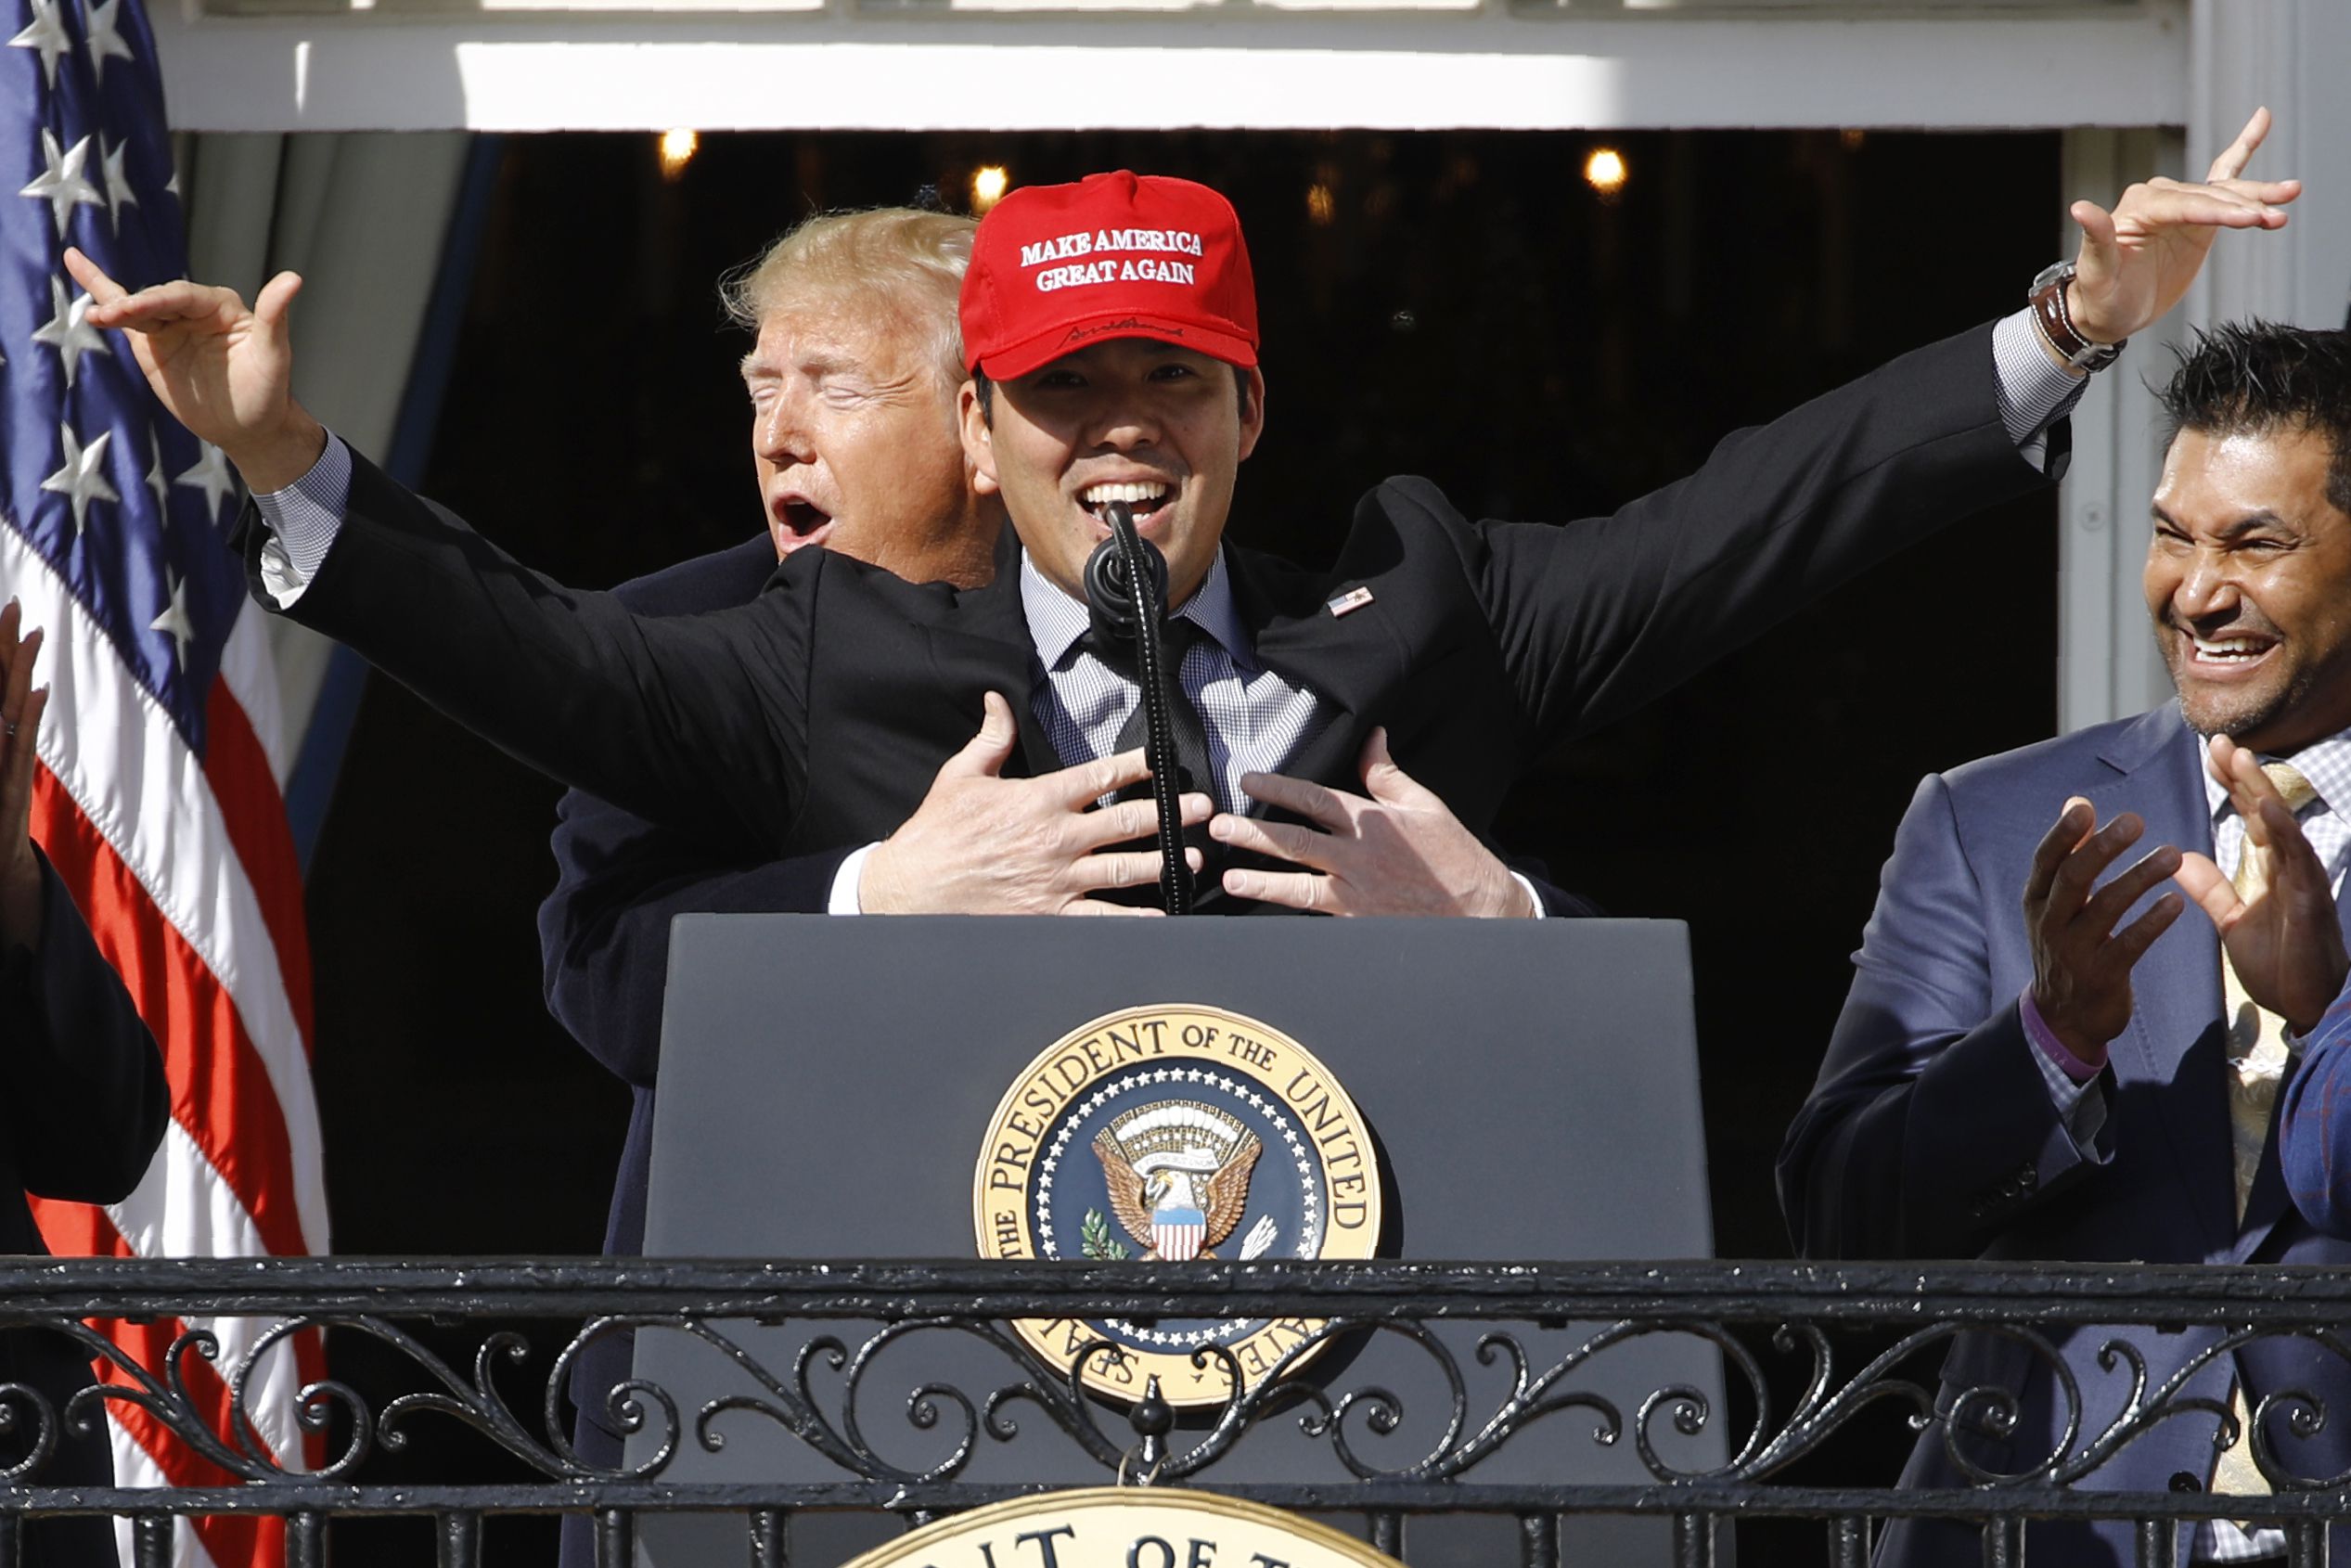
(1178, 1202)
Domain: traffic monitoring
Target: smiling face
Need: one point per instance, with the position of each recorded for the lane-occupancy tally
(853, 435)
(2249, 581)
(1158, 426)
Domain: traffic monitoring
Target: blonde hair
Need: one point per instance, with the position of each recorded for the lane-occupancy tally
(913, 261)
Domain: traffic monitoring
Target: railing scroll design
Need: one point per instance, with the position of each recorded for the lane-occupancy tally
(1539, 1360)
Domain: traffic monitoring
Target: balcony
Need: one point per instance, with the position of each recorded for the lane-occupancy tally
(1548, 1337)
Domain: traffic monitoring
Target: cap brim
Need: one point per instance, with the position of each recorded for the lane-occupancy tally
(1041, 349)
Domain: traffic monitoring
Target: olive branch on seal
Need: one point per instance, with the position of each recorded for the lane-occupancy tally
(1095, 1241)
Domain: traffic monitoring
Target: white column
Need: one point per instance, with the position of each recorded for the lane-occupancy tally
(2289, 55)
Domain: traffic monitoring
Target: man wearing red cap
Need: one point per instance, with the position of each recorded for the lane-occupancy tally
(1110, 330)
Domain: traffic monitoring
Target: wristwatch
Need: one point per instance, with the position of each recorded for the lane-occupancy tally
(2057, 326)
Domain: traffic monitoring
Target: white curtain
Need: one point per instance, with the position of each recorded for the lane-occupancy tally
(364, 216)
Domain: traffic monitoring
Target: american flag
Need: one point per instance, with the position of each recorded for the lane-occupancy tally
(158, 795)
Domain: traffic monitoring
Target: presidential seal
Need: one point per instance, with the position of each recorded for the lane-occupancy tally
(1165, 1133)
(1126, 1527)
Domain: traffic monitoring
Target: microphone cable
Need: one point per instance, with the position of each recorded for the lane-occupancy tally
(1142, 588)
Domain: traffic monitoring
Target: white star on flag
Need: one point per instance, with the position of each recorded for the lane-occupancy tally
(156, 483)
(82, 478)
(62, 185)
(173, 623)
(69, 330)
(105, 41)
(119, 193)
(212, 476)
(48, 34)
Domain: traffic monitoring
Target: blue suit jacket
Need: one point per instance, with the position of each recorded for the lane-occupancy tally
(1931, 1133)
(2314, 1122)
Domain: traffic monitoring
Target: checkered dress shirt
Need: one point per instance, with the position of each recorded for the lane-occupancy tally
(1256, 720)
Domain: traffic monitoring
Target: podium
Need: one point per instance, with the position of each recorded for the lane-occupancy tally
(826, 1085)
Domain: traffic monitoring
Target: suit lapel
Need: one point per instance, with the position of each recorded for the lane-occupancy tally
(2174, 1040)
(981, 641)
(1350, 661)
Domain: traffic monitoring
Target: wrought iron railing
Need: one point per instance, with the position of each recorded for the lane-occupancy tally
(1536, 1360)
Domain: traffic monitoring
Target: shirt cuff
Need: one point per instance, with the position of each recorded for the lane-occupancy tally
(2037, 1030)
(2033, 390)
(843, 899)
(1532, 896)
(304, 520)
(2071, 1083)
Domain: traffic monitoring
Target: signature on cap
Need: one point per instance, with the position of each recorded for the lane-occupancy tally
(1079, 334)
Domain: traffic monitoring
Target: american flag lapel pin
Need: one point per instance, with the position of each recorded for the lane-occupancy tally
(1348, 602)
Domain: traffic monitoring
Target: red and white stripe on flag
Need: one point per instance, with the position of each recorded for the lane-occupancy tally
(158, 797)
(186, 873)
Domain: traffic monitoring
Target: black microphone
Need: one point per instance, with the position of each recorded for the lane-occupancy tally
(1126, 598)
(1108, 599)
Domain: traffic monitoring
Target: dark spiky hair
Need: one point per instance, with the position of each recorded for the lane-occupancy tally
(2252, 377)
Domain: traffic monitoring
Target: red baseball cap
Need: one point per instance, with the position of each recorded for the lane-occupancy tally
(1120, 255)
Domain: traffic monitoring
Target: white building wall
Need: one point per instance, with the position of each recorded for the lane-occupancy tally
(877, 68)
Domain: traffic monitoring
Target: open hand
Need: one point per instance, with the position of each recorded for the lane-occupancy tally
(981, 844)
(2286, 941)
(1396, 849)
(2136, 261)
(223, 371)
(2081, 965)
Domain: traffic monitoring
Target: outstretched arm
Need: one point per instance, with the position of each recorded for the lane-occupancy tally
(696, 721)
(1600, 617)
(627, 707)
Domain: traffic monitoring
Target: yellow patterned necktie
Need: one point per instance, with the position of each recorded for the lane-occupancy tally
(2256, 1044)
(2257, 1048)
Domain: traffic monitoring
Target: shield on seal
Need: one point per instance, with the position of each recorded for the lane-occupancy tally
(1177, 1233)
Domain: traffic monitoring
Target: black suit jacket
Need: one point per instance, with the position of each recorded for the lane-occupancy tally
(620, 880)
(83, 1100)
(604, 931)
(815, 717)
(604, 947)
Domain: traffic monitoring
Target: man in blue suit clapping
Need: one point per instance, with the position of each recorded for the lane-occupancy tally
(2041, 1058)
